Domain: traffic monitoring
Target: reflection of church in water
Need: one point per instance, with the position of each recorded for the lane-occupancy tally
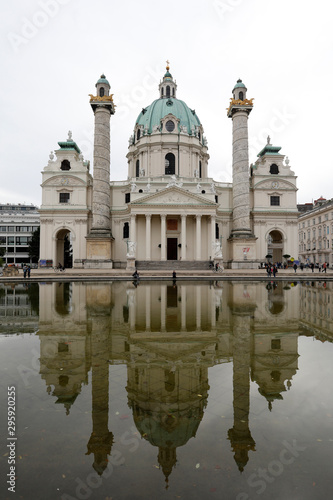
(168, 336)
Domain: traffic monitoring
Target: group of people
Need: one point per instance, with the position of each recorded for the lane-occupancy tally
(26, 271)
(271, 269)
(321, 267)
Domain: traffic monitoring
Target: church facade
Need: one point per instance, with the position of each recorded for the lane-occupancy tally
(168, 212)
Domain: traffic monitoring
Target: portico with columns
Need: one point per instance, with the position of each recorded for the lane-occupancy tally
(173, 226)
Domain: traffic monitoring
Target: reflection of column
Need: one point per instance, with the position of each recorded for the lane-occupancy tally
(183, 229)
(148, 237)
(148, 314)
(132, 309)
(163, 237)
(163, 307)
(240, 435)
(213, 307)
(198, 237)
(198, 307)
(101, 439)
(183, 307)
(212, 235)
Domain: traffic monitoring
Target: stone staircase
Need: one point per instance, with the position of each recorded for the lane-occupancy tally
(170, 265)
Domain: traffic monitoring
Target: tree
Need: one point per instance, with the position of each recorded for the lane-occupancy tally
(33, 246)
(2, 253)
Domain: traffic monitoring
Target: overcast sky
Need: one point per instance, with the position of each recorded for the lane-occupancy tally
(54, 51)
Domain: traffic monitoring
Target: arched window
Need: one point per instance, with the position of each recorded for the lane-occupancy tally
(126, 230)
(173, 92)
(65, 165)
(199, 135)
(241, 96)
(170, 164)
(200, 169)
(138, 134)
(137, 168)
(168, 91)
(217, 231)
(170, 126)
(162, 93)
(169, 381)
(101, 92)
(274, 169)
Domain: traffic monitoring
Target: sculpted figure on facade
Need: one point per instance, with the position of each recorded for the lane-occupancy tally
(217, 250)
(131, 247)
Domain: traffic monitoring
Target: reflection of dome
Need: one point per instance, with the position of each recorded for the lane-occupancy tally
(168, 429)
(153, 114)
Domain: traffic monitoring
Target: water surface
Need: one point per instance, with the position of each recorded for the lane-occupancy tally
(163, 390)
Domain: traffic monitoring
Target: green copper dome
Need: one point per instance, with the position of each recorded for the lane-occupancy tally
(153, 114)
(103, 80)
(239, 84)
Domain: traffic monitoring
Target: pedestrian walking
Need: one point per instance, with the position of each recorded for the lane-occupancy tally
(295, 267)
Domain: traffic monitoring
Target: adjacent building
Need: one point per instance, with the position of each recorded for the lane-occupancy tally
(315, 233)
(17, 223)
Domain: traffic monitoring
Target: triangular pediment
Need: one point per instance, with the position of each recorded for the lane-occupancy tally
(174, 196)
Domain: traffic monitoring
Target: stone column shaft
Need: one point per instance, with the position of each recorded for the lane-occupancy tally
(198, 237)
(148, 237)
(163, 237)
(240, 170)
(183, 236)
(212, 235)
(101, 187)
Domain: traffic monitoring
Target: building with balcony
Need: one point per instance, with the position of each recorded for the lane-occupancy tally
(315, 233)
(17, 223)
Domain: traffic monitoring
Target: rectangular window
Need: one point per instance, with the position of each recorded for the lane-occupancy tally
(3, 229)
(10, 229)
(22, 229)
(22, 240)
(22, 249)
(11, 240)
(64, 198)
(127, 197)
(2, 240)
(275, 201)
(275, 344)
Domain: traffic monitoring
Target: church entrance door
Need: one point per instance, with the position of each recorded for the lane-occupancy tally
(172, 249)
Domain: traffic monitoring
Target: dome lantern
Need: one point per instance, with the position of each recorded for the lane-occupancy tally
(167, 87)
(239, 90)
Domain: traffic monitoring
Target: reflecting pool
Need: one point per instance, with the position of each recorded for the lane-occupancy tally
(162, 390)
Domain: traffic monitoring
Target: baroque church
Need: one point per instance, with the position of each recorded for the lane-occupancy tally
(168, 213)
